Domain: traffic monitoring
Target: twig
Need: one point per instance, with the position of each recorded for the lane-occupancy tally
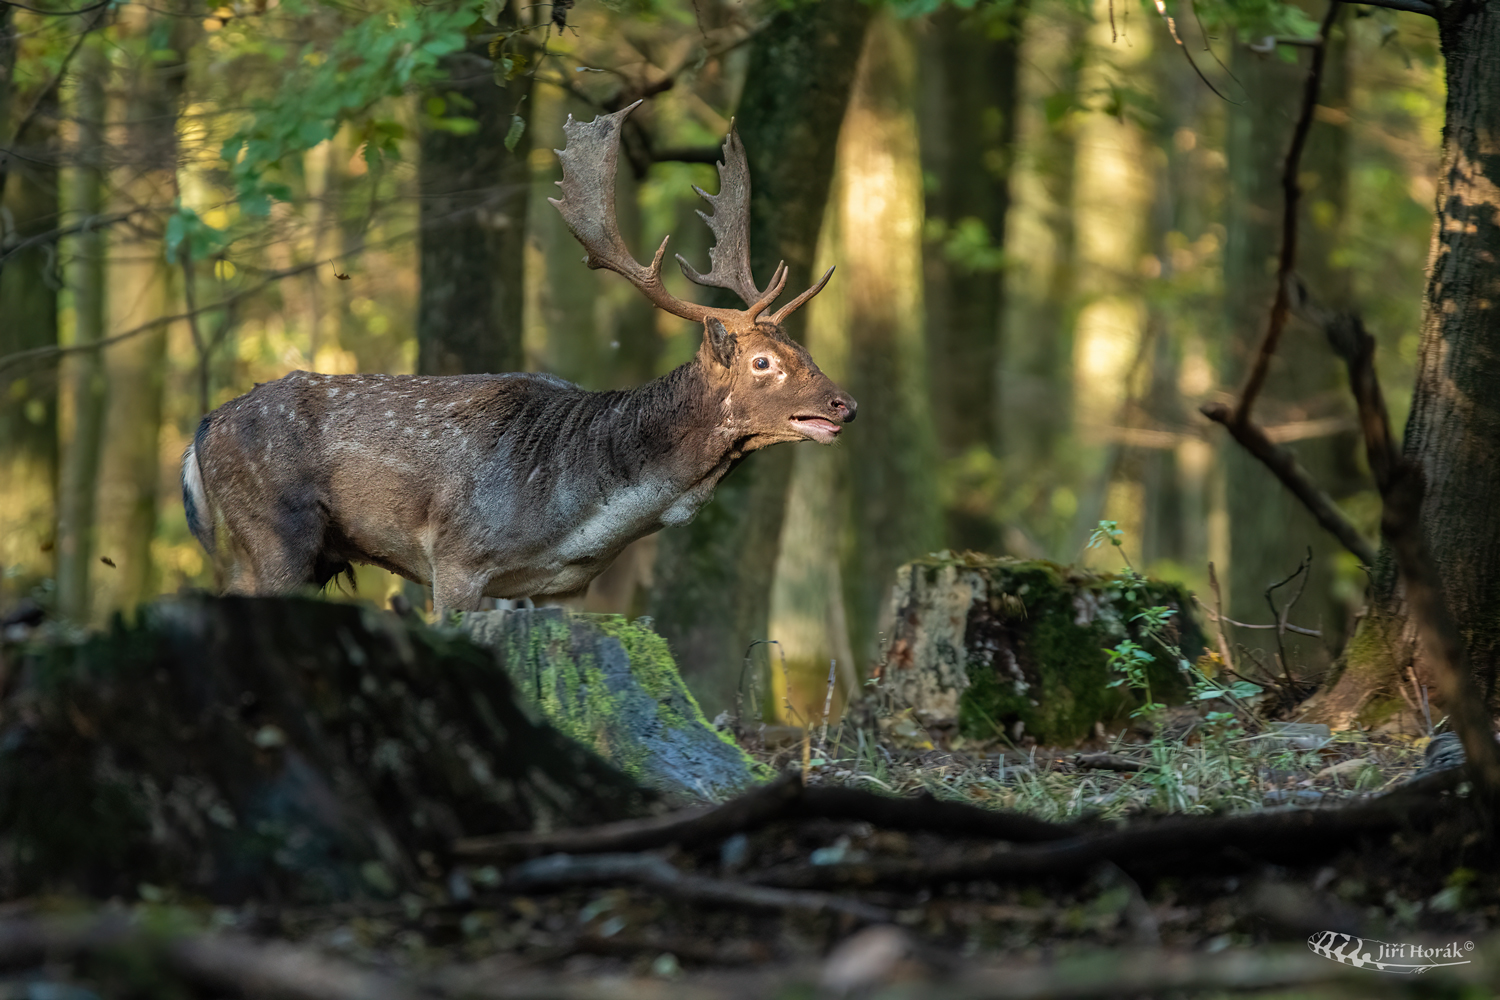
(1305, 566)
(1212, 616)
(92, 222)
(649, 870)
(1219, 619)
(827, 706)
(1161, 8)
(1291, 197)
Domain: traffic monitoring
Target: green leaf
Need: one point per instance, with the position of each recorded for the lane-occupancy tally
(514, 133)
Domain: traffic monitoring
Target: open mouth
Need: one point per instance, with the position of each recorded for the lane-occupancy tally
(819, 429)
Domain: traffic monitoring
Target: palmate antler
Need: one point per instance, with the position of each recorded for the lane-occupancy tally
(588, 207)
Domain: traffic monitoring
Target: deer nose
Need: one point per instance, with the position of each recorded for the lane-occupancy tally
(844, 407)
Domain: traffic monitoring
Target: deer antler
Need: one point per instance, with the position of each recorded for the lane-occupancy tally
(729, 257)
(588, 207)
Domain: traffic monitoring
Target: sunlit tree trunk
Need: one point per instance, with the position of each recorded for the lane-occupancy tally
(713, 577)
(141, 289)
(473, 225)
(28, 320)
(968, 69)
(893, 511)
(1036, 377)
(1269, 530)
(1453, 430)
(85, 372)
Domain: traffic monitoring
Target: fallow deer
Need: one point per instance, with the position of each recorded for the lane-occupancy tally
(515, 485)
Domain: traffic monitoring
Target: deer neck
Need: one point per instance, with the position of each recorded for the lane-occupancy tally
(681, 425)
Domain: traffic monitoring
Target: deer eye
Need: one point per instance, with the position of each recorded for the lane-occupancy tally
(761, 364)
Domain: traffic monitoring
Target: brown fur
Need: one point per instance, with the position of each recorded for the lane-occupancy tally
(501, 485)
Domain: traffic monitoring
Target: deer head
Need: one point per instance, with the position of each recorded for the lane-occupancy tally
(772, 390)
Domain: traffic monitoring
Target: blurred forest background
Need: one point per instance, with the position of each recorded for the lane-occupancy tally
(1054, 240)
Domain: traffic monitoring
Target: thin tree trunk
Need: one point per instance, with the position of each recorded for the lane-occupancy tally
(84, 372)
(141, 287)
(713, 578)
(473, 217)
(1453, 430)
(894, 508)
(1037, 360)
(969, 74)
(28, 319)
(1269, 530)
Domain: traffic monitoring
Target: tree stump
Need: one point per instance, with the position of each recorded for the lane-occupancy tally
(1005, 647)
(612, 686)
(283, 749)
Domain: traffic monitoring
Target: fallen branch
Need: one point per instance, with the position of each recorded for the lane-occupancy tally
(783, 799)
(1110, 762)
(560, 870)
(1183, 846)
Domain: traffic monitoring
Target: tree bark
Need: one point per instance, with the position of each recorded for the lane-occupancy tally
(28, 319)
(1270, 532)
(84, 372)
(969, 76)
(473, 225)
(894, 510)
(1453, 429)
(140, 288)
(712, 590)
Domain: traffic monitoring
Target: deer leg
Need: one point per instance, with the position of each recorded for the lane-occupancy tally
(453, 589)
(273, 557)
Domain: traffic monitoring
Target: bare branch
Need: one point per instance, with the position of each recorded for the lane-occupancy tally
(1291, 197)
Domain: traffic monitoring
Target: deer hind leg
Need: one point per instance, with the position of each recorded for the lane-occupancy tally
(275, 554)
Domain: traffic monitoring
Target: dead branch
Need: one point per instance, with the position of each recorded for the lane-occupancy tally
(1402, 483)
(1182, 846)
(1283, 463)
(786, 798)
(1110, 762)
(1237, 418)
(1291, 188)
(558, 870)
(1217, 618)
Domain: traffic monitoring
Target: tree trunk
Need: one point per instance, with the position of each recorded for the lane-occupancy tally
(969, 64)
(85, 372)
(28, 319)
(892, 459)
(1453, 430)
(473, 225)
(140, 289)
(713, 578)
(1270, 532)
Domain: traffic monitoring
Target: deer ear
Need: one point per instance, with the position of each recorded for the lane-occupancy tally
(720, 342)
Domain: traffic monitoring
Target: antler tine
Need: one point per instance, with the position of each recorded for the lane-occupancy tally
(781, 314)
(588, 207)
(778, 282)
(729, 257)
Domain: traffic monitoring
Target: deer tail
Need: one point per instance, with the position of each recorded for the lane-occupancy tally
(194, 499)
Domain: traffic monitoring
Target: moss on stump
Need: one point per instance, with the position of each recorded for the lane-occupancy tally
(611, 684)
(1005, 646)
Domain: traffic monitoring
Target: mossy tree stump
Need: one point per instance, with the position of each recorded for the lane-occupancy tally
(996, 646)
(284, 749)
(611, 685)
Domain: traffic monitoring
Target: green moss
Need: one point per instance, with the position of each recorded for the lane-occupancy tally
(1057, 623)
(611, 684)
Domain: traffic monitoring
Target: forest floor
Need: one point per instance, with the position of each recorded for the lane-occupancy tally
(1095, 932)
